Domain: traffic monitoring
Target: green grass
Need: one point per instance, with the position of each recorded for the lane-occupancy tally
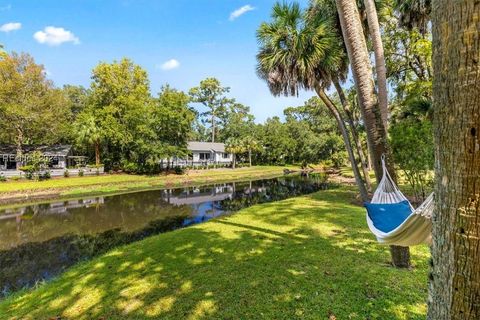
(310, 257)
(117, 183)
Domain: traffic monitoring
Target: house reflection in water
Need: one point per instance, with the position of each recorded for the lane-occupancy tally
(49, 208)
(204, 200)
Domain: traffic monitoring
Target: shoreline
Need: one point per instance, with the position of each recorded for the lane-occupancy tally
(132, 184)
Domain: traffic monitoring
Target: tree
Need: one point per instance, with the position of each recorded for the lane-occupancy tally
(374, 31)
(89, 132)
(120, 103)
(210, 93)
(32, 111)
(234, 146)
(171, 120)
(297, 54)
(361, 67)
(235, 121)
(455, 272)
(77, 96)
(251, 145)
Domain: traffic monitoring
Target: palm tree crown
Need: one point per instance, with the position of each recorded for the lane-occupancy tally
(296, 53)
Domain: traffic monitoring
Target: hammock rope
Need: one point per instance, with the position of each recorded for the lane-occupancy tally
(410, 227)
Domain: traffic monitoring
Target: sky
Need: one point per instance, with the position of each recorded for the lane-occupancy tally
(179, 42)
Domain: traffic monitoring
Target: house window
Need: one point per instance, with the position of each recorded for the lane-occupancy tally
(204, 156)
(225, 156)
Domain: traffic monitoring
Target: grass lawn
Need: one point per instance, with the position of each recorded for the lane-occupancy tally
(310, 257)
(108, 184)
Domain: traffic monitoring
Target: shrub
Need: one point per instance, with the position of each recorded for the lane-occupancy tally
(2, 178)
(28, 170)
(66, 173)
(15, 178)
(80, 173)
(45, 176)
(179, 170)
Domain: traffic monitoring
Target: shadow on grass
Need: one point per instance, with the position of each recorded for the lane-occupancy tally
(306, 258)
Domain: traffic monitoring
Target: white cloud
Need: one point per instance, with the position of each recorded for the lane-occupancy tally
(11, 26)
(242, 10)
(170, 65)
(54, 36)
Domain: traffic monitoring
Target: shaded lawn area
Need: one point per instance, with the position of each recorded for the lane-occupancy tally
(310, 257)
(116, 183)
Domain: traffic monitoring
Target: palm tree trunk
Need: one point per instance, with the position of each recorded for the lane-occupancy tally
(455, 273)
(380, 67)
(362, 74)
(97, 153)
(249, 157)
(356, 139)
(234, 160)
(346, 138)
(19, 150)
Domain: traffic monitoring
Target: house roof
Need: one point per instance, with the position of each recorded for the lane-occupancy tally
(58, 150)
(206, 146)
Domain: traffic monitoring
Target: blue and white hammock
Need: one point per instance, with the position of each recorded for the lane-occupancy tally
(392, 218)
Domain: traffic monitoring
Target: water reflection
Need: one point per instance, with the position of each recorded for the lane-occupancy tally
(39, 241)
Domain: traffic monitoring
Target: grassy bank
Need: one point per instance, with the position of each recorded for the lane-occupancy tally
(16, 191)
(309, 257)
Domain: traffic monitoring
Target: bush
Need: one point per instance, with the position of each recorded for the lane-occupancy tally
(80, 173)
(2, 178)
(66, 173)
(28, 170)
(45, 176)
(179, 170)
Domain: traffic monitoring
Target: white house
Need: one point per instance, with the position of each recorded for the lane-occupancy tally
(205, 153)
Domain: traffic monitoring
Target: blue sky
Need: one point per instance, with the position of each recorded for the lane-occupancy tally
(179, 42)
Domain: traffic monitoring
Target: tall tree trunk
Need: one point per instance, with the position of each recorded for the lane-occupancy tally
(234, 156)
(356, 139)
(97, 153)
(249, 157)
(362, 74)
(213, 127)
(455, 273)
(19, 150)
(380, 68)
(346, 138)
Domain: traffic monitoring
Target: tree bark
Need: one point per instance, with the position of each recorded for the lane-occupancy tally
(380, 68)
(362, 75)
(213, 127)
(19, 150)
(249, 157)
(97, 153)
(346, 138)
(454, 291)
(234, 158)
(356, 139)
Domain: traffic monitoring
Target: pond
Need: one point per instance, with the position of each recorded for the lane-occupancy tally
(39, 241)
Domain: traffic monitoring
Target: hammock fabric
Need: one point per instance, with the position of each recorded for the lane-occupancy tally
(392, 218)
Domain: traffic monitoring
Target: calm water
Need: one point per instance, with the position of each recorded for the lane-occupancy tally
(39, 241)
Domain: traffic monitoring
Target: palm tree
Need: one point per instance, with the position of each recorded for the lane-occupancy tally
(455, 272)
(88, 132)
(355, 44)
(414, 14)
(380, 68)
(234, 146)
(251, 144)
(296, 54)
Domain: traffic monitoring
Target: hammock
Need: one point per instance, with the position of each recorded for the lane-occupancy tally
(392, 218)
